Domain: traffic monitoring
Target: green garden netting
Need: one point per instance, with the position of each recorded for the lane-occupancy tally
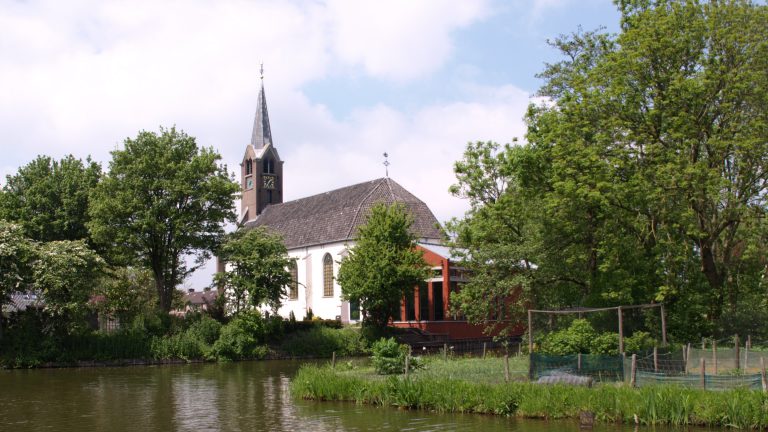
(598, 367)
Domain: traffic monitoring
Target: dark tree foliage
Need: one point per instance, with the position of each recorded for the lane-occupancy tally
(383, 265)
(645, 174)
(257, 269)
(163, 199)
(49, 198)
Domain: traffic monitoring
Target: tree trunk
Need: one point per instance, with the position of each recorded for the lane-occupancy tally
(714, 277)
(163, 296)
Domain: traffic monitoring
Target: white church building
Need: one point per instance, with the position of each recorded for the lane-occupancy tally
(319, 229)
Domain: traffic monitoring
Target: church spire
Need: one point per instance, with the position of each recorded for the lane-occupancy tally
(262, 135)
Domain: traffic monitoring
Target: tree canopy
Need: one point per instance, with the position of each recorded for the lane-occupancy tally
(644, 176)
(49, 198)
(163, 199)
(67, 273)
(383, 266)
(16, 255)
(256, 270)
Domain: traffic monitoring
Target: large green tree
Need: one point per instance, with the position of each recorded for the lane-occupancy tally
(649, 171)
(163, 199)
(49, 198)
(383, 266)
(256, 270)
(16, 256)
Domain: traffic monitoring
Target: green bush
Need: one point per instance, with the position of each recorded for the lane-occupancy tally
(194, 343)
(205, 330)
(242, 338)
(575, 339)
(297, 326)
(581, 337)
(639, 341)
(606, 344)
(323, 342)
(388, 357)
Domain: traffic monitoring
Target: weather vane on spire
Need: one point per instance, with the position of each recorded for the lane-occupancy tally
(386, 164)
(261, 70)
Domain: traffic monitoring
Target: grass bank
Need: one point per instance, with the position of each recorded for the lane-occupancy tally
(248, 336)
(439, 390)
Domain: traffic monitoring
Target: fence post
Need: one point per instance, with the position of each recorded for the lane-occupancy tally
(746, 355)
(655, 359)
(484, 348)
(663, 326)
(687, 356)
(445, 351)
(530, 331)
(633, 372)
(506, 367)
(714, 355)
(703, 373)
(749, 341)
(736, 348)
(621, 332)
(407, 363)
(762, 375)
(333, 360)
(703, 344)
(578, 362)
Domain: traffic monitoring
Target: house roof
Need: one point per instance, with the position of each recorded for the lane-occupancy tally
(200, 297)
(441, 251)
(20, 301)
(335, 215)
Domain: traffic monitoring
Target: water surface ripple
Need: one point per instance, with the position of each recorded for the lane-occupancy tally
(247, 396)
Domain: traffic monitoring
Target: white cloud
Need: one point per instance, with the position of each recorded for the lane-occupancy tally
(399, 39)
(422, 146)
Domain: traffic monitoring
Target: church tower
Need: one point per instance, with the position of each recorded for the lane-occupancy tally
(261, 178)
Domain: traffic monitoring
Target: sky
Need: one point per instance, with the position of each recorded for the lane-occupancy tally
(345, 80)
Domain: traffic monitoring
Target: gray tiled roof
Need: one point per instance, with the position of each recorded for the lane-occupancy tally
(20, 301)
(335, 215)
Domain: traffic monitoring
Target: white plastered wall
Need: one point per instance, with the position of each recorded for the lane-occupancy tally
(309, 262)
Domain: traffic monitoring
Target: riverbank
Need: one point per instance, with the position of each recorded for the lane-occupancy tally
(197, 339)
(439, 390)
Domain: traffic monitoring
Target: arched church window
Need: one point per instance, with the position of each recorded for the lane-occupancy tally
(248, 167)
(293, 288)
(327, 276)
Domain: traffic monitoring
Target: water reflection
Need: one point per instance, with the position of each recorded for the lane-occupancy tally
(210, 397)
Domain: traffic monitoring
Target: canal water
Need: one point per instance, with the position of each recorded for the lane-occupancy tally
(246, 396)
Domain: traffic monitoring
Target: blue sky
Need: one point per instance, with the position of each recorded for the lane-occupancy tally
(508, 47)
(346, 80)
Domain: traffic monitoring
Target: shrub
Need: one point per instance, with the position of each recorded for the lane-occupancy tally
(639, 341)
(206, 330)
(323, 342)
(242, 338)
(581, 337)
(389, 357)
(575, 339)
(606, 344)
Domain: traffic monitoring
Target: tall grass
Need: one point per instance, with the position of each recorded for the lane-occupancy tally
(662, 405)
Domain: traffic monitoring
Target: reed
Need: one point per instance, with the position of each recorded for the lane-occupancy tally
(611, 403)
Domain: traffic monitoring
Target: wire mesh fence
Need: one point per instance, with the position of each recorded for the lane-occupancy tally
(709, 382)
(598, 367)
(713, 367)
(476, 347)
